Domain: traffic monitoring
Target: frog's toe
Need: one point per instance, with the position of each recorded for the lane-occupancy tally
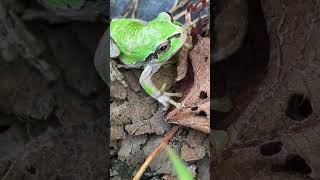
(178, 94)
(166, 101)
(176, 104)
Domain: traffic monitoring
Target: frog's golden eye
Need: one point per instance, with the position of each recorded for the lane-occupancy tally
(163, 47)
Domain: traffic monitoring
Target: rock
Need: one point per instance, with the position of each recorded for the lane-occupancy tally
(133, 111)
(12, 140)
(192, 154)
(72, 110)
(133, 81)
(203, 168)
(117, 132)
(77, 65)
(29, 97)
(153, 125)
(133, 96)
(120, 170)
(161, 163)
(117, 90)
(195, 146)
(131, 151)
(68, 153)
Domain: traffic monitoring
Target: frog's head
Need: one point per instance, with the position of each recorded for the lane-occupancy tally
(167, 35)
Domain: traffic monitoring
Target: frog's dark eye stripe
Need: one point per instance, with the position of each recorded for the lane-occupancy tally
(174, 36)
(151, 57)
(164, 47)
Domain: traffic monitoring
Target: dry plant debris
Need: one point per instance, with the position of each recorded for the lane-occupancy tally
(195, 111)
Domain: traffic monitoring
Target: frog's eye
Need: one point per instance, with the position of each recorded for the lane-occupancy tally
(163, 47)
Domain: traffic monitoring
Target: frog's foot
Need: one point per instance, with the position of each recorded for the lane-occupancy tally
(165, 98)
(166, 101)
(115, 74)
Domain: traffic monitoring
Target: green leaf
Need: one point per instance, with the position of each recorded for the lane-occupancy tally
(182, 170)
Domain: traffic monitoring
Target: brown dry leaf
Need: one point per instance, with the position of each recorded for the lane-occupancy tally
(195, 110)
(182, 64)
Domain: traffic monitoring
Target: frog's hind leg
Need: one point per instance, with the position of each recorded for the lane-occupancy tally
(178, 94)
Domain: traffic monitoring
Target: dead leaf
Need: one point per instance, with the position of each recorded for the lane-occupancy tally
(182, 64)
(195, 110)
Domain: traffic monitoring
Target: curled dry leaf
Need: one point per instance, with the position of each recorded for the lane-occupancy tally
(182, 64)
(195, 110)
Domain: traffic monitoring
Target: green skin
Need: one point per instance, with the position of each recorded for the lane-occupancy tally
(149, 45)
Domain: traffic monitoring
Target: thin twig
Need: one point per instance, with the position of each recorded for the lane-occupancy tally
(155, 152)
(174, 7)
(135, 7)
(132, 9)
(182, 13)
(177, 5)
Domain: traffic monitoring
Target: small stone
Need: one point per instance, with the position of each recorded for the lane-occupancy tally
(192, 154)
(117, 90)
(133, 81)
(117, 132)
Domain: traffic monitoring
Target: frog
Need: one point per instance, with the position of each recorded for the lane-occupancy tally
(147, 45)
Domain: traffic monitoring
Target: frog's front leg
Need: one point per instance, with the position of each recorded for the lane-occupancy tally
(115, 74)
(150, 88)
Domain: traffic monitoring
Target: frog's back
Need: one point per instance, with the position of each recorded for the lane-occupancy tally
(127, 34)
(124, 27)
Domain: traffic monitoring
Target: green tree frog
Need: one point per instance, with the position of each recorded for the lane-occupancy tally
(148, 45)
